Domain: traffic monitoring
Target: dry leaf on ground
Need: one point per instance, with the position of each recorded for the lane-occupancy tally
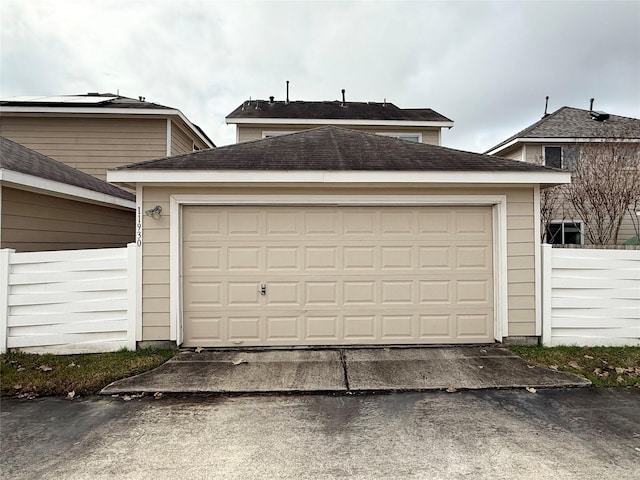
(45, 368)
(575, 365)
(157, 395)
(620, 380)
(553, 367)
(531, 366)
(619, 370)
(198, 349)
(71, 394)
(531, 390)
(452, 389)
(588, 357)
(238, 361)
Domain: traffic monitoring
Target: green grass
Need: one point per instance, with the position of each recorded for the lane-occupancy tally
(604, 366)
(29, 375)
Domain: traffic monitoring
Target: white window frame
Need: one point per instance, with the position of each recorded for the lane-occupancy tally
(580, 224)
(544, 155)
(401, 134)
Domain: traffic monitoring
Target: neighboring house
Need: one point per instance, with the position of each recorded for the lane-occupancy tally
(257, 119)
(96, 132)
(47, 205)
(338, 237)
(554, 141)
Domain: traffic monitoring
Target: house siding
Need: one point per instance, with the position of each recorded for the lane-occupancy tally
(36, 222)
(181, 141)
(254, 132)
(87, 143)
(520, 249)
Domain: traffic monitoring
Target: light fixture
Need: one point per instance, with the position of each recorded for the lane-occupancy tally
(154, 212)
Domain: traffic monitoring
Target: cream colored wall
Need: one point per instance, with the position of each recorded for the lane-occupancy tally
(182, 141)
(520, 248)
(90, 144)
(35, 222)
(514, 153)
(254, 132)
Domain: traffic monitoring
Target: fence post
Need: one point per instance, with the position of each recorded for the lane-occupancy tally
(5, 257)
(547, 273)
(132, 300)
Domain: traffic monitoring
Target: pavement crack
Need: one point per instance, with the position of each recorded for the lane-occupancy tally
(343, 361)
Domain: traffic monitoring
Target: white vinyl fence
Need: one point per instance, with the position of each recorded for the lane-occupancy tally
(75, 301)
(590, 296)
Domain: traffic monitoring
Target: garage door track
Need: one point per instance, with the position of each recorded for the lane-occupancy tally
(338, 370)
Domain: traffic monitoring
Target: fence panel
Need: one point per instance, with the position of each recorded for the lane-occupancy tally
(591, 296)
(76, 301)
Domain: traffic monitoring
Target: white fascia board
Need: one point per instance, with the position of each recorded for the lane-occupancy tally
(59, 189)
(306, 176)
(110, 111)
(334, 121)
(569, 140)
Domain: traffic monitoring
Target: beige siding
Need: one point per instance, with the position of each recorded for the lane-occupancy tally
(181, 142)
(90, 144)
(255, 132)
(534, 154)
(35, 222)
(520, 249)
(628, 228)
(514, 154)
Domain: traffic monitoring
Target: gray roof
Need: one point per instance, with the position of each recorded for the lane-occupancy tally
(18, 158)
(571, 123)
(93, 100)
(333, 111)
(331, 148)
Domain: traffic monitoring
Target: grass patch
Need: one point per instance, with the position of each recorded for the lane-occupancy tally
(28, 375)
(604, 366)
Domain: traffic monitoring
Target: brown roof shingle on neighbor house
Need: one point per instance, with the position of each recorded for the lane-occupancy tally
(20, 159)
(333, 110)
(576, 123)
(331, 148)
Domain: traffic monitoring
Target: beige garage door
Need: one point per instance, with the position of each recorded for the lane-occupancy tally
(336, 275)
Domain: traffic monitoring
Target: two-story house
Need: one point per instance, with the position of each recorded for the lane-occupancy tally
(258, 119)
(556, 141)
(52, 146)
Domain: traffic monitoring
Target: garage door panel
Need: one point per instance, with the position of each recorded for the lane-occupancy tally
(337, 275)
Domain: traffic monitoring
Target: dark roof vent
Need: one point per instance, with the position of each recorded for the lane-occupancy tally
(271, 99)
(599, 116)
(344, 102)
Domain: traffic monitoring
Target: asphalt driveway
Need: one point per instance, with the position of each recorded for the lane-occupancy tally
(355, 370)
(583, 434)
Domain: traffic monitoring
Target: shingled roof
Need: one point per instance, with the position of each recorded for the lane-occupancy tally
(18, 158)
(331, 148)
(336, 110)
(574, 123)
(94, 100)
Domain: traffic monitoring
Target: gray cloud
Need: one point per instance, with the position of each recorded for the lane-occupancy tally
(486, 65)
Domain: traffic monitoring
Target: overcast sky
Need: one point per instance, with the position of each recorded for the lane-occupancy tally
(485, 65)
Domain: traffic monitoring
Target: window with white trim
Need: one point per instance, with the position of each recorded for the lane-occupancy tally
(410, 137)
(565, 233)
(553, 157)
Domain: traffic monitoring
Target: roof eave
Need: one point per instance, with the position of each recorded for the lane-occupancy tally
(337, 121)
(148, 176)
(10, 178)
(522, 140)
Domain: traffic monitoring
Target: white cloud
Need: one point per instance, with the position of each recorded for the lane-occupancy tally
(486, 65)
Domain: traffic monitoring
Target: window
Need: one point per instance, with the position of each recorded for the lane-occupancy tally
(553, 157)
(410, 137)
(564, 233)
(276, 133)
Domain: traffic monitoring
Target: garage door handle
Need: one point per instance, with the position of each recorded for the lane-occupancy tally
(263, 289)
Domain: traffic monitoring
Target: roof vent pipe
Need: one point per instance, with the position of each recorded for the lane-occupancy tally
(344, 102)
(271, 99)
(546, 104)
(591, 104)
(287, 92)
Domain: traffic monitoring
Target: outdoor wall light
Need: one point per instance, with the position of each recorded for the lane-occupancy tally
(154, 212)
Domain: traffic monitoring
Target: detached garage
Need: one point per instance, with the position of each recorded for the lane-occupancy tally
(337, 237)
